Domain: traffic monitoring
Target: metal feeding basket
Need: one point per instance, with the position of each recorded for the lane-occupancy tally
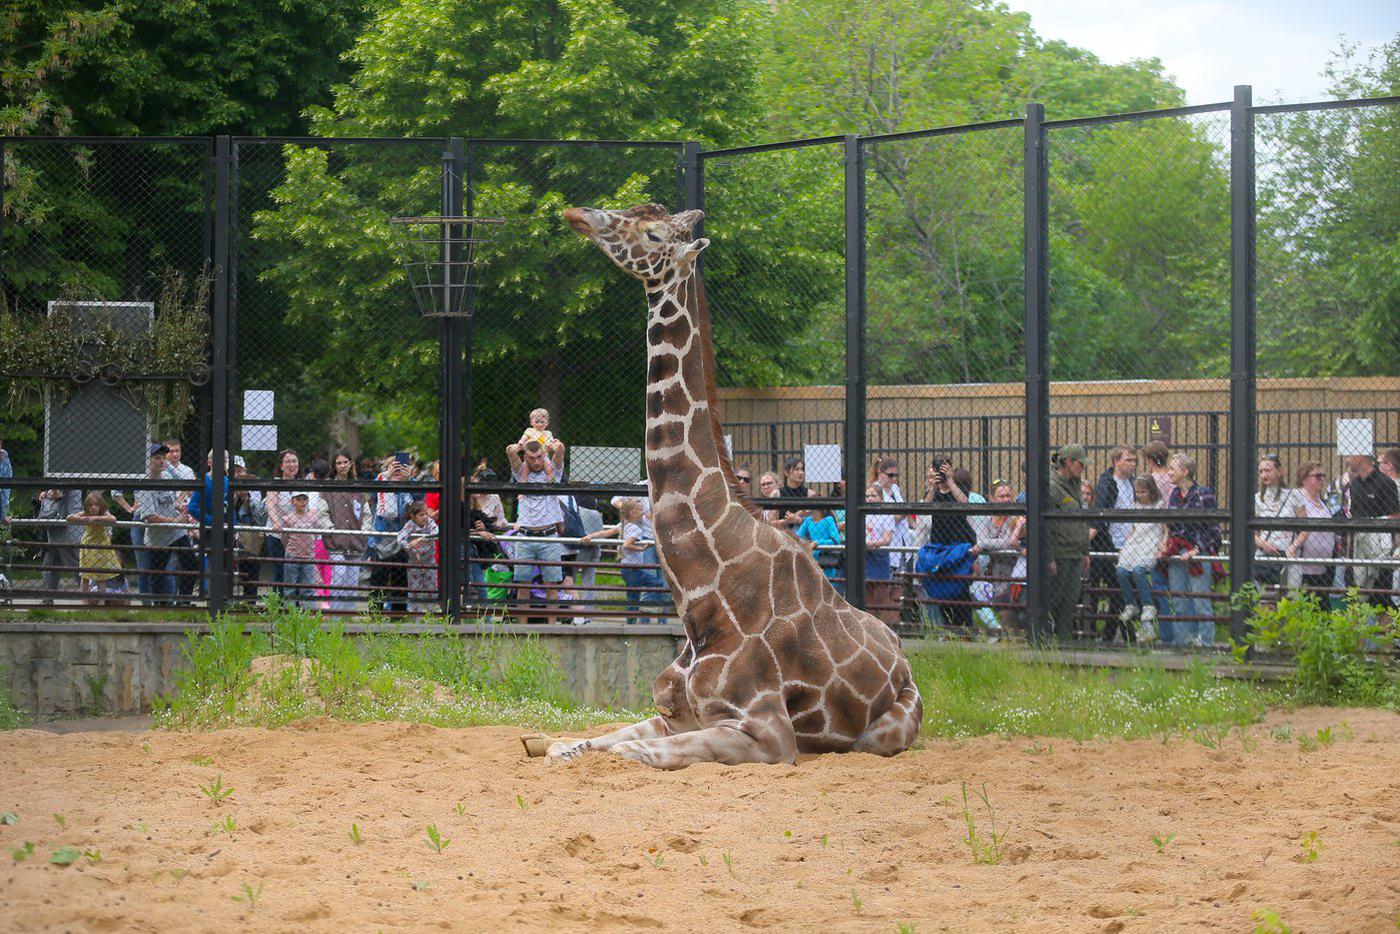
(438, 254)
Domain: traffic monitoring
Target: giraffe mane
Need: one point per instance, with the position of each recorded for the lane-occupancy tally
(707, 351)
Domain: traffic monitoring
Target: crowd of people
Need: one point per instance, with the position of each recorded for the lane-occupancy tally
(343, 549)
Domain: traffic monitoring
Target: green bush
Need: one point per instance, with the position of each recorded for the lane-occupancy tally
(1338, 654)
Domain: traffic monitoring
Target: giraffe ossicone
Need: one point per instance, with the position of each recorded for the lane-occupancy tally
(775, 662)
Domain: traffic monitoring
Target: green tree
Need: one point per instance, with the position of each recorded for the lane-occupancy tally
(1328, 233)
(555, 324)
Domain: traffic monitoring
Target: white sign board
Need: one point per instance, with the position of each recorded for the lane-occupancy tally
(605, 465)
(823, 462)
(257, 405)
(1355, 436)
(259, 437)
(729, 445)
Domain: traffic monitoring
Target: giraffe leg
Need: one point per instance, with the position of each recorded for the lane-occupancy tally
(670, 693)
(645, 730)
(896, 729)
(763, 734)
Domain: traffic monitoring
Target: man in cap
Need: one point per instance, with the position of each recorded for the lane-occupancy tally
(1069, 543)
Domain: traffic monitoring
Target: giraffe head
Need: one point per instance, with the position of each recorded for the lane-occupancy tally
(644, 241)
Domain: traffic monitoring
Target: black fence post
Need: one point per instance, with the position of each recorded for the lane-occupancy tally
(1242, 356)
(1037, 338)
(451, 525)
(692, 171)
(854, 487)
(217, 531)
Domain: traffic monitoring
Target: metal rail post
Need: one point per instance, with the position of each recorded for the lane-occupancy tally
(854, 488)
(451, 524)
(217, 531)
(1037, 338)
(1242, 348)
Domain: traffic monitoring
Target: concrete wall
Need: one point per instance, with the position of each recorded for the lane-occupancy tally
(75, 668)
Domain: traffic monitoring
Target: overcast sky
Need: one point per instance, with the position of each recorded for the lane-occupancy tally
(1209, 46)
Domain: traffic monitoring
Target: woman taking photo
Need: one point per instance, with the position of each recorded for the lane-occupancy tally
(1313, 546)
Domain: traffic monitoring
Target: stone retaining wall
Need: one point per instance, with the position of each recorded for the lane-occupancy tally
(82, 668)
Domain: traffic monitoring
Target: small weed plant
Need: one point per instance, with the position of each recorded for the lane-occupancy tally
(1267, 921)
(986, 844)
(9, 818)
(355, 833)
(61, 821)
(65, 856)
(436, 840)
(1160, 842)
(1312, 846)
(20, 853)
(216, 792)
(226, 824)
(250, 895)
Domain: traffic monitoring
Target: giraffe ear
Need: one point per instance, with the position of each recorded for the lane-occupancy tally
(689, 251)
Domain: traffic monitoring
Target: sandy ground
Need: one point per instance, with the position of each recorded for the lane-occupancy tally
(836, 842)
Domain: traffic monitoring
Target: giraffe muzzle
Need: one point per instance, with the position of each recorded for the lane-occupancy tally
(586, 221)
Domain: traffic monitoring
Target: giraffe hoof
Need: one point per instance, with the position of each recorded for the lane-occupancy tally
(563, 752)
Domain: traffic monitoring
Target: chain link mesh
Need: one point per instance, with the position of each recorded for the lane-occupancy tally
(1139, 298)
(945, 367)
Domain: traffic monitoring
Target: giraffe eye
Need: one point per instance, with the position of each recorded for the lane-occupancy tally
(653, 237)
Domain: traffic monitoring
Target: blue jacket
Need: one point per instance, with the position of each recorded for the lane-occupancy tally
(201, 501)
(7, 469)
(944, 559)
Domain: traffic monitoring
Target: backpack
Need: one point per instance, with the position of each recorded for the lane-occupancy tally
(573, 522)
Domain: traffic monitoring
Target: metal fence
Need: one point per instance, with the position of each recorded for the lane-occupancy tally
(917, 322)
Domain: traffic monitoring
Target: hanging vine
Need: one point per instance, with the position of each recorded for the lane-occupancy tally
(155, 371)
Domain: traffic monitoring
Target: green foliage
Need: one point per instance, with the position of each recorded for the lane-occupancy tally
(20, 853)
(618, 69)
(161, 68)
(1328, 237)
(1312, 846)
(1160, 842)
(981, 691)
(1332, 649)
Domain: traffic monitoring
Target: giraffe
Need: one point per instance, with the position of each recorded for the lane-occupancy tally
(775, 662)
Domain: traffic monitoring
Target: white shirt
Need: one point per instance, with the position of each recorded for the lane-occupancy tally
(534, 511)
(1118, 531)
(901, 528)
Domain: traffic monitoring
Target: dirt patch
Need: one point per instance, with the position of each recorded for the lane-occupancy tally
(837, 842)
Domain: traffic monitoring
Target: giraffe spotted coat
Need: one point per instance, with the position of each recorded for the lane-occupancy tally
(775, 662)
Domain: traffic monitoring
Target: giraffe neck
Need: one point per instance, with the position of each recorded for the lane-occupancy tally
(684, 443)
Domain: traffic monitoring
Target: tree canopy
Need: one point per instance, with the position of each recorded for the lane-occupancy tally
(1139, 210)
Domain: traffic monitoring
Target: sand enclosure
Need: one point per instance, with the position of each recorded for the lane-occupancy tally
(836, 842)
